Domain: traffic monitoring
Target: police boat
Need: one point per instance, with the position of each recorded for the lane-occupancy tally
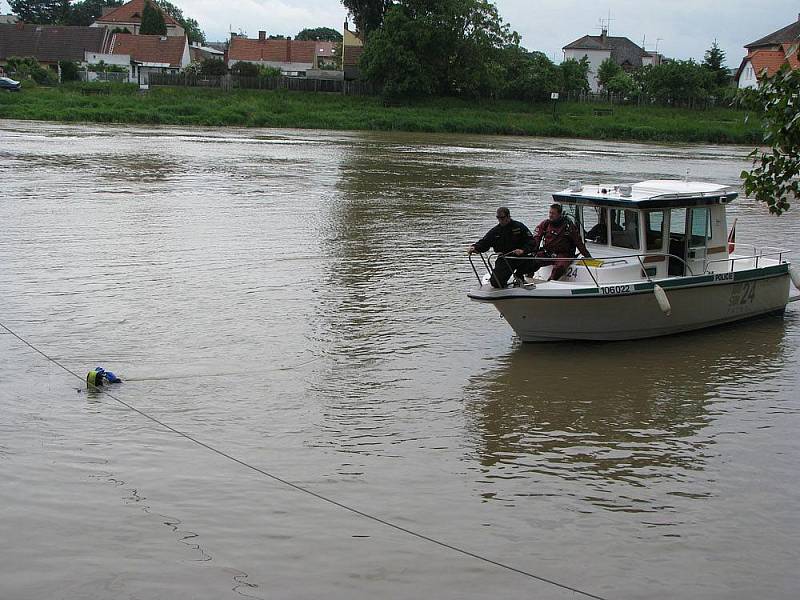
(663, 262)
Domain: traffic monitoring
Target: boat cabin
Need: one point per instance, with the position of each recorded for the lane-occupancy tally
(664, 227)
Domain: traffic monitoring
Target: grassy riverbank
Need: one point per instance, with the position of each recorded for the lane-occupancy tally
(197, 106)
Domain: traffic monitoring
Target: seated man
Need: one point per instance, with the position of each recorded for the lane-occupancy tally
(507, 237)
(559, 238)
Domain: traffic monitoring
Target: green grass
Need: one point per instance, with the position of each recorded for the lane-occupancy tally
(197, 106)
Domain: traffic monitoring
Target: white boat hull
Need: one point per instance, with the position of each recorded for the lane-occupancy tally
(627, 312)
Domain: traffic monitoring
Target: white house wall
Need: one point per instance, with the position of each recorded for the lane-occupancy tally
(596, 57)
(747, 78)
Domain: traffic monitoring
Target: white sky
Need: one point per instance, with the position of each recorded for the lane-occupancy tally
(686, 27)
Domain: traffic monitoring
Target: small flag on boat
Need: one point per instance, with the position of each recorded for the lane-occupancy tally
(732, 238)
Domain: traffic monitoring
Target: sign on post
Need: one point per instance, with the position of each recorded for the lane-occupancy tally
(553, 95)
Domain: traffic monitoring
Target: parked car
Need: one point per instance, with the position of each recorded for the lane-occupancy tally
(8, 84)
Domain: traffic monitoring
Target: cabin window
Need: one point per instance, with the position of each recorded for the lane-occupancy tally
(700, 227)
(595, 224)
(624, 228)
(571, 212)
(654, 229)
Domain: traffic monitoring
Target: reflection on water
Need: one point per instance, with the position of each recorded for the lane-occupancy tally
(617, 416)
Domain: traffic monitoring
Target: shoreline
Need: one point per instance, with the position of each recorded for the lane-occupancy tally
(201, 107)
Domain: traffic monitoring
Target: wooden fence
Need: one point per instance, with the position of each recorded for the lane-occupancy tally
(233, 82)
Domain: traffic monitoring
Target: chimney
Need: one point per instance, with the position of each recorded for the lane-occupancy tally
(288, 50)
(345, 25)
(20, 25)
(262, 35)
(603, 34)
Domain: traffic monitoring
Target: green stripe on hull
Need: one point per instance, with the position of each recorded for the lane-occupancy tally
(678, 282)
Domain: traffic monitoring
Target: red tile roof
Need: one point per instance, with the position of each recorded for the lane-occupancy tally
(150, 48)
(767, 60)
(281, 51)
(132, 13)
(50, 43)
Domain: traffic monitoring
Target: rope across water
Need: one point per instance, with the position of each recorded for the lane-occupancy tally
(308, 491)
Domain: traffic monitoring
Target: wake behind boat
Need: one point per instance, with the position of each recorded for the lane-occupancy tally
(662, 263)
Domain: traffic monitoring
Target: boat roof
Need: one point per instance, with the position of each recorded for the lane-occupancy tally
(652, 194)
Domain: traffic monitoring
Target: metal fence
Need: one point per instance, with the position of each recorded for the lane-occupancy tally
(231, 82)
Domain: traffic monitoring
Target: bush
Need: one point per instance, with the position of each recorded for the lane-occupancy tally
(213, 67)
(245, 69)
(69, 71)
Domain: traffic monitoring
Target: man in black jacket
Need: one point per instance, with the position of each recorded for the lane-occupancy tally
(507, 237)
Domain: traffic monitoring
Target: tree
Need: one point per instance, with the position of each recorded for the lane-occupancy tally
(574, 75)
(152, 20)
(621, 83)
(319, 33)
(190, 26)
(367, 14)
(714, 62)
(529, 75)
(42, 12)
(438, 47)
(86, 12)
(773, 179)
(607, 70)
(676, 81)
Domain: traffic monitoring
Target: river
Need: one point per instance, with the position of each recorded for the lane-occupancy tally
(297, 299)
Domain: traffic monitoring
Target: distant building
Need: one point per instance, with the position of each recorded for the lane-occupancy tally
(652, 59)
(597, 48)
(199, 52)
(8, 19)
(352, 48)
(151, 54)
(50, 44)
(292, 57)
(767, 55)
(129, 16)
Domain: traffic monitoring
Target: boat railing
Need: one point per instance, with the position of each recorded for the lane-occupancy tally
(487, 262)
(758, 253)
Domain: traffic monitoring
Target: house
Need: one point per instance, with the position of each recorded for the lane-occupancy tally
(129, 16)
(292, 57)
(97, 64)
(50, 44)
(151, 54)
(8, 19)
(198, 53)
(352, 48)
(767, 55)
(652, 59)
(597, 48)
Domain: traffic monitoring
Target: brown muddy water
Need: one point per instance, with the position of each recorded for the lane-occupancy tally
(297, 298)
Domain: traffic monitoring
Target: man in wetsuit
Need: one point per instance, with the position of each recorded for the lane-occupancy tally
(559, 238)
(507, 237)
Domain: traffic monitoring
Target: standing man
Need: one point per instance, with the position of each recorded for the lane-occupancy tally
(508, 237)
(559, 238)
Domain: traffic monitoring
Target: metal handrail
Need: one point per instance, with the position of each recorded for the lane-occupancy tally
(732, 259)
(490, 268)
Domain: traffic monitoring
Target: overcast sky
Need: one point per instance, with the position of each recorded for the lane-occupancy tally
(686, 28)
